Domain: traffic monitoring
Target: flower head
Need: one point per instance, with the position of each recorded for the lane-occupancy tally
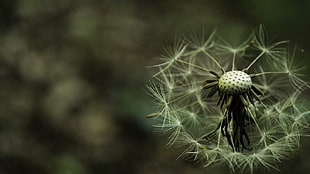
(235, 104)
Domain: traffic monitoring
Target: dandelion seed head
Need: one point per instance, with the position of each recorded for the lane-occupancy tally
(234, 104)
(235, 82)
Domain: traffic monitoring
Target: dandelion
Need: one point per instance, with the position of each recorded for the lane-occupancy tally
(234, 104)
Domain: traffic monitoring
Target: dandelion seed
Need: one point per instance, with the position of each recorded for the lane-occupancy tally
(236, 104)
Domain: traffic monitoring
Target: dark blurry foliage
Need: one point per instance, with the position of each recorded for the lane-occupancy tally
(72, 76)
(279, 12)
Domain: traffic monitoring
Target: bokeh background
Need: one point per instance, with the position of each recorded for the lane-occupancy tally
(72, 77)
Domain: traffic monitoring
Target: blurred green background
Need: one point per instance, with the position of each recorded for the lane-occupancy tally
(73, 71)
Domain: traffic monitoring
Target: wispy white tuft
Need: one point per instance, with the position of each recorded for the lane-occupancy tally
(187, 114)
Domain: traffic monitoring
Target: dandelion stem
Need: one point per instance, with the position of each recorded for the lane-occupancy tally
(162, 70)
(182, 96)
(187, 84)
(234, 59)
(197, 66)
(279, 43)
(257, 126)
(194, 65)
(263, 73)
(255, 60)
(214, 60)
(219, 139)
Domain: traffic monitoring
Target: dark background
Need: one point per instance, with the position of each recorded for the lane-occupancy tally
(72, 73)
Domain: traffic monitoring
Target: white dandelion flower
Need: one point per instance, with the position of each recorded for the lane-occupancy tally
(228, 103)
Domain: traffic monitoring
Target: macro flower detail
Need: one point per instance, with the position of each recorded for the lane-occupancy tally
(234, 83)
(236, 103)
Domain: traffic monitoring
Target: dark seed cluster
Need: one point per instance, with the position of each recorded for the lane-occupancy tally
(235, 83)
